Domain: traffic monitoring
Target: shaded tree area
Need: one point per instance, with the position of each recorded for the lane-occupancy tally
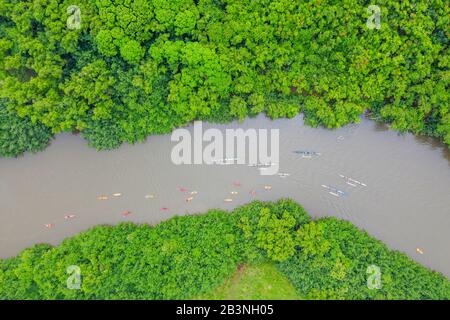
(143, 67)
(189, 256)
(19, 135)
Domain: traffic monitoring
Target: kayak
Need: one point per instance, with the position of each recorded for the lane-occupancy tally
(307, 153)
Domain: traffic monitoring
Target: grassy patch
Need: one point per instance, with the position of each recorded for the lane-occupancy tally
(254, 282)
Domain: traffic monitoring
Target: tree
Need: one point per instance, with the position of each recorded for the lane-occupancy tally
(19, 135)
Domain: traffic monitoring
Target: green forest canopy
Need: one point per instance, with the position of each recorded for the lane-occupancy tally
(142, 67)
(189, 256)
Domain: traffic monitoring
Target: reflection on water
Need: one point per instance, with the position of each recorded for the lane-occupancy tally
(405, 201)
(381, 127)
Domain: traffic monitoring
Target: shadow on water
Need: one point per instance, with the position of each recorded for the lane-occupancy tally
(435, 145)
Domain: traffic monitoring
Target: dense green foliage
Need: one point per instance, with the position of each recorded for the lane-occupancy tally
(18, 135)
(190, 256)
(148, 66)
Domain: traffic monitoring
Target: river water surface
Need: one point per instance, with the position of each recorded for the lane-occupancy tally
(406, 202)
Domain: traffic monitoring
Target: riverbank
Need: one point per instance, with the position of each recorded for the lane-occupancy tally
(190, 256)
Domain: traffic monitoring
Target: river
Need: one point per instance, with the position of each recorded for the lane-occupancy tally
(405, 203)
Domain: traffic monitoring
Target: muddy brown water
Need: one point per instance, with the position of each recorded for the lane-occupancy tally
(406, 202)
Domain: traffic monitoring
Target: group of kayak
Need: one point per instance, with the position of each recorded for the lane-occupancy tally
(339, 193)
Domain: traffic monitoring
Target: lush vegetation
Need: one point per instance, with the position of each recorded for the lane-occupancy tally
(135, 68)
(19, 135)
(193, 256)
